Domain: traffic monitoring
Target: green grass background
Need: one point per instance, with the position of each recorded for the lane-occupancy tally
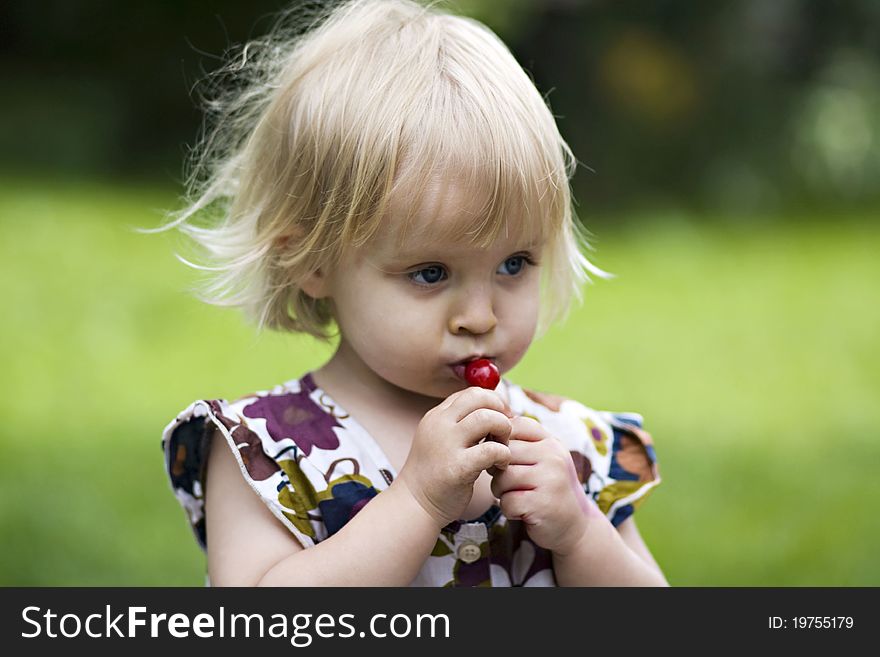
(751, 348)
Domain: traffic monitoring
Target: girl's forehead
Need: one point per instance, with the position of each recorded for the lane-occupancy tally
(448, 215)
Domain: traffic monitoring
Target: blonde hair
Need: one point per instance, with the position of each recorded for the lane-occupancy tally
(373, 101)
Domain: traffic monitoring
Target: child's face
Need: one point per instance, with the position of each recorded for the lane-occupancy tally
(409, 314)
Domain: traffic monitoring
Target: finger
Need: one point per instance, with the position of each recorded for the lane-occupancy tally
(471, 399)
(513, 477)
(524, 452)
(449, 401)
(484, 421)
(528, 429)
(489, 454)
(516, 504)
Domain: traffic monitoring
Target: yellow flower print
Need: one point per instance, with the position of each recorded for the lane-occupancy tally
(300, 496)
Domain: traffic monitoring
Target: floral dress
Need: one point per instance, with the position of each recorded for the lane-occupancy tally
(315, 467)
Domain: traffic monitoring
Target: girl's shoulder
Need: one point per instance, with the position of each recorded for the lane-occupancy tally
(298, 451)
(613, 454)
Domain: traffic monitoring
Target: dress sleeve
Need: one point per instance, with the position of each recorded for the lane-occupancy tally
(631, 471)
(272, 470)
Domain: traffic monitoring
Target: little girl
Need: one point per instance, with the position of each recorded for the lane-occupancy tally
(393, 172)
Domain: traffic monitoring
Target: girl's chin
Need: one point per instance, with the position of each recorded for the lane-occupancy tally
(438, 390)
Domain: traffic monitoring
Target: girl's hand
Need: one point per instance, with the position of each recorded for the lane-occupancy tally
(447, 456)
(541, 488)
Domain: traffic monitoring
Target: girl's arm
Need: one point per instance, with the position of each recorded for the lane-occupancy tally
(631, 536)
(604, 558)
(385, 544)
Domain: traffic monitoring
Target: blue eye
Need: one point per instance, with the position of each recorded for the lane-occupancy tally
(433, 275)
(521, 260)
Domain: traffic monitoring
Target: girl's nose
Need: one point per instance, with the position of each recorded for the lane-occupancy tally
(473, 313)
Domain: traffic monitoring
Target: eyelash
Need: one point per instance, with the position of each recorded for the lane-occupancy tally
(529, 261)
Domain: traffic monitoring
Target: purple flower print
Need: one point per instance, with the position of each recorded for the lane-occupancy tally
(582, 466)
(504, 545)
(472, 574)
(297, 417)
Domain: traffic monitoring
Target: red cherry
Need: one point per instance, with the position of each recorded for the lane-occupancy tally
(483, 373)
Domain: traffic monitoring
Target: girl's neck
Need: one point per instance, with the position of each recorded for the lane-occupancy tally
(349, 381)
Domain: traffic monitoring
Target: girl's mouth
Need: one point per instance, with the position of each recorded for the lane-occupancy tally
(459, 368)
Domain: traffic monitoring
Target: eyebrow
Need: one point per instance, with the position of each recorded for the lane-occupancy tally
(415, 252)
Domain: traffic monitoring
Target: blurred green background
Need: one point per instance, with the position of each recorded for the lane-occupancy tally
(730, 177)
